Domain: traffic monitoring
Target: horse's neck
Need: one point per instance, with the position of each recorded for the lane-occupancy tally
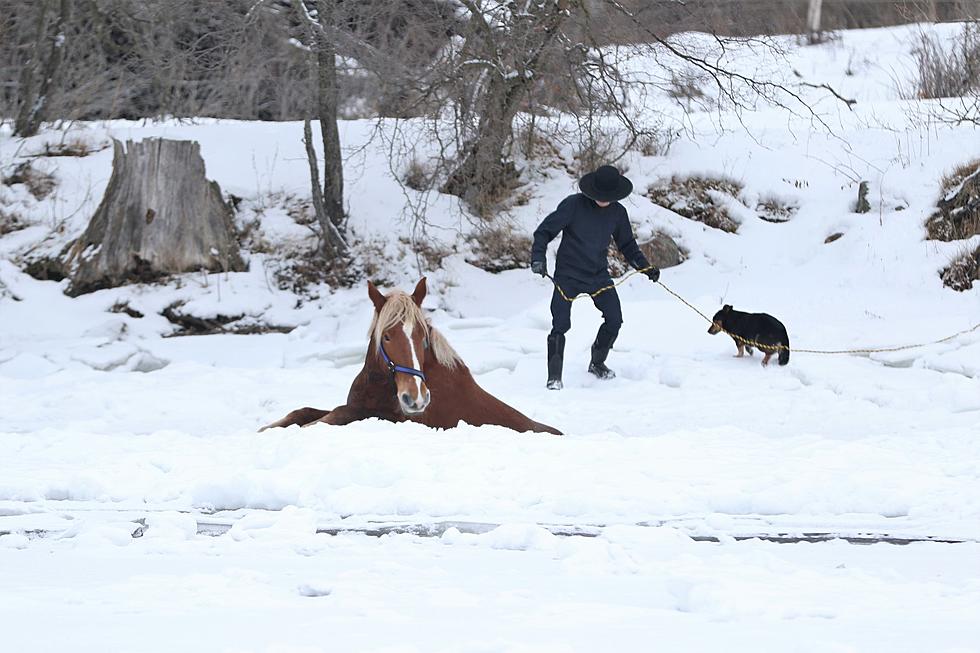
(372, 358)
(374, 386)
(437, 374)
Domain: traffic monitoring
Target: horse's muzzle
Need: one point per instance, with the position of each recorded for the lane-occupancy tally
(411, 406)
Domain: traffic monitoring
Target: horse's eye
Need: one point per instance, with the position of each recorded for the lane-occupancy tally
(387, 338)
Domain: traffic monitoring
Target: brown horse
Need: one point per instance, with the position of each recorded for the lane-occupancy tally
(412, 373)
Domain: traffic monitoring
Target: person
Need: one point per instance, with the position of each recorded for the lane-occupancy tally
(587, 221)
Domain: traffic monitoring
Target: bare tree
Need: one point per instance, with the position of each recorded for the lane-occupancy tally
(814, 35)
(38, 76)
(321, 26)
(504, 44)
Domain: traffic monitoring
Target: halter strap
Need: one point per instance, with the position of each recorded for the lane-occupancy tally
(398, 368)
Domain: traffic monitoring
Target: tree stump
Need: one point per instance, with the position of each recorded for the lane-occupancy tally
(863, 205)
(159, 215)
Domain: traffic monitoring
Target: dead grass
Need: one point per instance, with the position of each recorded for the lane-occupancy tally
(39, 184)
(775, 210)
(75, 146)
(499, 248)
(10, 222)
(946, 73)
(957, 214)
(430, 255)
(418, 176)
(596, 149)
(696, 198)
(686, 87)
(962, 271)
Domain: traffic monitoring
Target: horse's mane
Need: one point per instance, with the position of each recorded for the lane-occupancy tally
(400, 308)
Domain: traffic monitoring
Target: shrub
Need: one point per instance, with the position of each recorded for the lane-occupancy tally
(962, 271)
(417, 176)
(957, 213)
(949, 73)
(39, 184)
(699, 199)
(499, 248)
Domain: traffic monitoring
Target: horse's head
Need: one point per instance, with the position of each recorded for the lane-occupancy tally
(400, 335)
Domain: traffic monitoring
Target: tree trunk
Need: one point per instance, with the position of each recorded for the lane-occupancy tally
(332, 244)
(34, 101)
(813, 21)
(333, 164)
(159, 215)
(483, 175)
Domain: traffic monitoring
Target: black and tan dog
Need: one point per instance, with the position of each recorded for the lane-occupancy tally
(749, 330)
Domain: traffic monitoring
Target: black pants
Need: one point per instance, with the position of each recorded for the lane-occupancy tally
(607, 302)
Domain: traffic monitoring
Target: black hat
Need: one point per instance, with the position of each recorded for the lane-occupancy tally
(605, 185)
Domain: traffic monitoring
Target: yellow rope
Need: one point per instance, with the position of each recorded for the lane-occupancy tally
(759, 345)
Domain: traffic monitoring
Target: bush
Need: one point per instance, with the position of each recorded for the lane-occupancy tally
(776, 210)
(597, 147)
(962, 271)
(958, 209)
(953, 73)
(39, 184)
(417, 176)
(698, 198)
(499, 248)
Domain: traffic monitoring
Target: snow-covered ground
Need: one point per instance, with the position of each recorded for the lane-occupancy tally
(107, 428)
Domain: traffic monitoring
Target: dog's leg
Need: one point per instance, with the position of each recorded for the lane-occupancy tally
(749, 349)
(765, 361)
(741, 349)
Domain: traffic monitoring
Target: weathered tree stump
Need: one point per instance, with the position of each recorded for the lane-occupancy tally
(159, 215)
(863, 205)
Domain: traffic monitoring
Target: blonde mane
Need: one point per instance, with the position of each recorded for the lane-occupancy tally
(400, 308)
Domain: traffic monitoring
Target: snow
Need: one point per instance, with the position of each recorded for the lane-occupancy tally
(122, 449)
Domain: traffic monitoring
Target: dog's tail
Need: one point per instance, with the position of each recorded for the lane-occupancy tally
(784, 353)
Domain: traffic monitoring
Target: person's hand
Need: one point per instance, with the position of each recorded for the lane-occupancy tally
(653, 274)
(539, 267)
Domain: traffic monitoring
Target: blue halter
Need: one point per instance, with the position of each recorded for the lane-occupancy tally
(398, 368)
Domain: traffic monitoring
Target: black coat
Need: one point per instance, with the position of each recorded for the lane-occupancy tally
(586, 231)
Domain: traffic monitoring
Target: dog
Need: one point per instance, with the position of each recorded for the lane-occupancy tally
(753, 329)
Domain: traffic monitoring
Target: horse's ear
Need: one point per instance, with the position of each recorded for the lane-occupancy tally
(376, 297)
(419, 294)
(726, 308)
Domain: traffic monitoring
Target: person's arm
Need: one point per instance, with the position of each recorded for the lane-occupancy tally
(626, 242)
(550, 227)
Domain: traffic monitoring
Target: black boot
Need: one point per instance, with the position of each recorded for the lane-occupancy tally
(556, 355)
(600, 349)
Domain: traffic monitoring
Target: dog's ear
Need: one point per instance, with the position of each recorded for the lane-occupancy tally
(726, 308)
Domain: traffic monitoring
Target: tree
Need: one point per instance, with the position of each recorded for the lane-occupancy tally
(505, 43)
(813, 21)
(38, 76)
(322, 27)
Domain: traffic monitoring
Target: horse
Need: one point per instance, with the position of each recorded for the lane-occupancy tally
(411, 373)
